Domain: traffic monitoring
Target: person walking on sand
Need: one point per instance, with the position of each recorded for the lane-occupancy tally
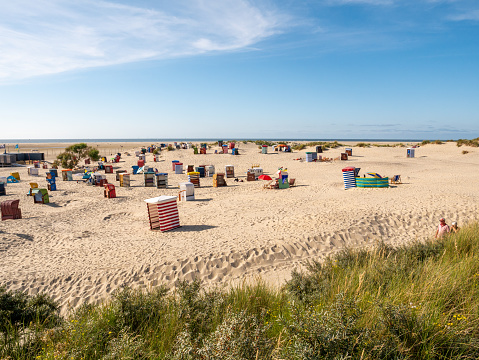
(454, 228)
(442, 229)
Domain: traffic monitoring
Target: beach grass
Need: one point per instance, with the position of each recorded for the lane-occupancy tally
(417, 301)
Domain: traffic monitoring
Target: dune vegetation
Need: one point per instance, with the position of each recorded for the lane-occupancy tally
(418, 301)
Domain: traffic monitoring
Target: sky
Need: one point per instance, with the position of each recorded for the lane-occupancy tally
(239, 69)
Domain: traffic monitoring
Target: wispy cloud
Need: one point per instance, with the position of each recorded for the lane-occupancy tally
(471, 15)
(361, 2)
(53, 36)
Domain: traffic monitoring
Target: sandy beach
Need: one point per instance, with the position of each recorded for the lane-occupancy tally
(82, 246)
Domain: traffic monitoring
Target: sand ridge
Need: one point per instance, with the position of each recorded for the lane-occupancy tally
(81, 247)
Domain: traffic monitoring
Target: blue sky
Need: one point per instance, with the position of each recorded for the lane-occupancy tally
(367, 69)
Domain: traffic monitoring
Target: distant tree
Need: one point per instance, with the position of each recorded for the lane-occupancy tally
(74, 153)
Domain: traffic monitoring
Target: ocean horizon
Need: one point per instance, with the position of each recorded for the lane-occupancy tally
(150, 140)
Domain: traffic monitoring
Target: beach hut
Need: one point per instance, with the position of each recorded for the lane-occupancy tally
(264, 149)
(52, 186)
(67, 175)
(163, 213)
(10, 210)
(33, 171)
(411, 152)
(108, 169)
(344, 156)
(149, 179)
(2, 189)
(219, 180)
(349, 151)
(194, 177)
(118, 173)
(40, 196)
(210, 170)
(201, 169)
(109, 191)
(16, 175)
(349, 177)
(187, 191)
(161, 180)
(178, 168)
(230, 171)
(124, 180)
(173, 163)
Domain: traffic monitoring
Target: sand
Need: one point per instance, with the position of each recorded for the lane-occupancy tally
(81, 246)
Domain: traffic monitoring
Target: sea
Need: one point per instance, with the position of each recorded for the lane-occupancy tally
(166, 140)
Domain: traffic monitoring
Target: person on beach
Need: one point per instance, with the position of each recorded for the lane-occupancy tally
(442, 229)
(454, 228)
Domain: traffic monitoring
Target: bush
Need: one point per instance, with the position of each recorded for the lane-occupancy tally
(363, 145)
(94, 154)
(74, 153)
(472, 143)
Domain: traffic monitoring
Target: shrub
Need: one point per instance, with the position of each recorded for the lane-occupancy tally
(94, 154)
(74, 153)
(472, 143)
(298, 147)
(239, 336)
(363, 145)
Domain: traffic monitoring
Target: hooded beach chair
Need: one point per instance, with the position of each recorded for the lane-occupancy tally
(396, 179)
(40, 196)
(32, 186)
(10, 210)
(11, 180)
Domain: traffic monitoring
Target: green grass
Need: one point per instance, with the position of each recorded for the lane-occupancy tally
(417, 301)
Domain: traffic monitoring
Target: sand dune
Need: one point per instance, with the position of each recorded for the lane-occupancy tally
(81, 247)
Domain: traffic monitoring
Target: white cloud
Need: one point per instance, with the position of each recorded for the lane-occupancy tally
(47, 37)
(471, 15)
(367, 2)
